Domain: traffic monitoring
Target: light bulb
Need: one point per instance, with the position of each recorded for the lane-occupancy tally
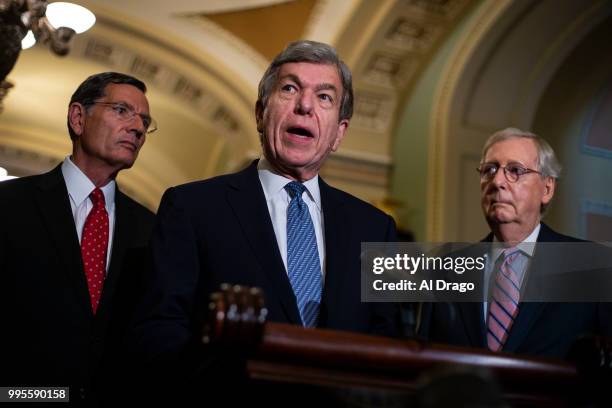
(70, 15)
(28, 41)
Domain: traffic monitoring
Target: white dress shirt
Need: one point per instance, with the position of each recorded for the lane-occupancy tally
(79, 188)
(278, 199)
(527, 247)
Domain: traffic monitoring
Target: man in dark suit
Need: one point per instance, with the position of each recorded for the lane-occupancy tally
(63, 238)
(275, 225)
(518, 174)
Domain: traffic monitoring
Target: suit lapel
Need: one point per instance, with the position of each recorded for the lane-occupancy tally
(54, 204)
(336, 249)
(472, 316)
(530, 312)
(122, 235)
(247, 200)
(527, 316)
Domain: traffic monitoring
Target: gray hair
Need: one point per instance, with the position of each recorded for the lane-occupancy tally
(548, 164)
(309, 51)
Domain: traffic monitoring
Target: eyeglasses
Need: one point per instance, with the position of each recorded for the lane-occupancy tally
(126, 113)
(512, 172)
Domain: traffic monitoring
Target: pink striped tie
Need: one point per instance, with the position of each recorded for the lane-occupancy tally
(504, 304)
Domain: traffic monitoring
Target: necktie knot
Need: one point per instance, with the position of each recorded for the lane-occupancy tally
(97, 197)
(510, 254)
(295, 189)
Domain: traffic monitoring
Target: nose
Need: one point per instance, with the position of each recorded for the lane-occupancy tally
(304, 103)
(137, 126)
(499, 180)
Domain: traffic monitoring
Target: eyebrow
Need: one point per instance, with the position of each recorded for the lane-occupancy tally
(497, 163)
(319, 87)
(129, 105)
(326, 86)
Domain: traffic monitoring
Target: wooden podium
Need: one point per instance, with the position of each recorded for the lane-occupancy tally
(285, 354)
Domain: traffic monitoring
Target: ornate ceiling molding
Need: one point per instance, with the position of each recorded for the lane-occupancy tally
(164, 75)
(387, 44)
(401, 45)
(484, 19)
(21, 162)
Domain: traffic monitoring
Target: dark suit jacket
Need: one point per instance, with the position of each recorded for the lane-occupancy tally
(219, 230)
(50, 335)
(546, 329)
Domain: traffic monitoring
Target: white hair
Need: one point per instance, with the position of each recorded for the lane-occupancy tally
(548, 164)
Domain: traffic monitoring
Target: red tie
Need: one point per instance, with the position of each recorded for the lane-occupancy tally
(94, 246)
(504, 304)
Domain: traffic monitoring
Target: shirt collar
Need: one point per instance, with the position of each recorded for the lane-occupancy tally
(80, 186)
(527, 246)
(273, 183)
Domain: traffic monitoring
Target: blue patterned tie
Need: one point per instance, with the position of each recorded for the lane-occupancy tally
(303, 263)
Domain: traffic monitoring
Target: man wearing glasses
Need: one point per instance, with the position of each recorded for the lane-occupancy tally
(63, 239)
(518, 174)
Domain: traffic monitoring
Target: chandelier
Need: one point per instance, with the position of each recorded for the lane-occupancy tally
(53, 24)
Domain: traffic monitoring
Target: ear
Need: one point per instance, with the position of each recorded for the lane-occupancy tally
(549, 190)
(76, 117)
(342, 128)
(259, 111)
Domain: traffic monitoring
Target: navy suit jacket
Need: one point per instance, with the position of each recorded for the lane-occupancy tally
(50, 335)
(219, 231)
(540, 328)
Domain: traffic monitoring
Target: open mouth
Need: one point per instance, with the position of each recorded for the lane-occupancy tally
(298, 131)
